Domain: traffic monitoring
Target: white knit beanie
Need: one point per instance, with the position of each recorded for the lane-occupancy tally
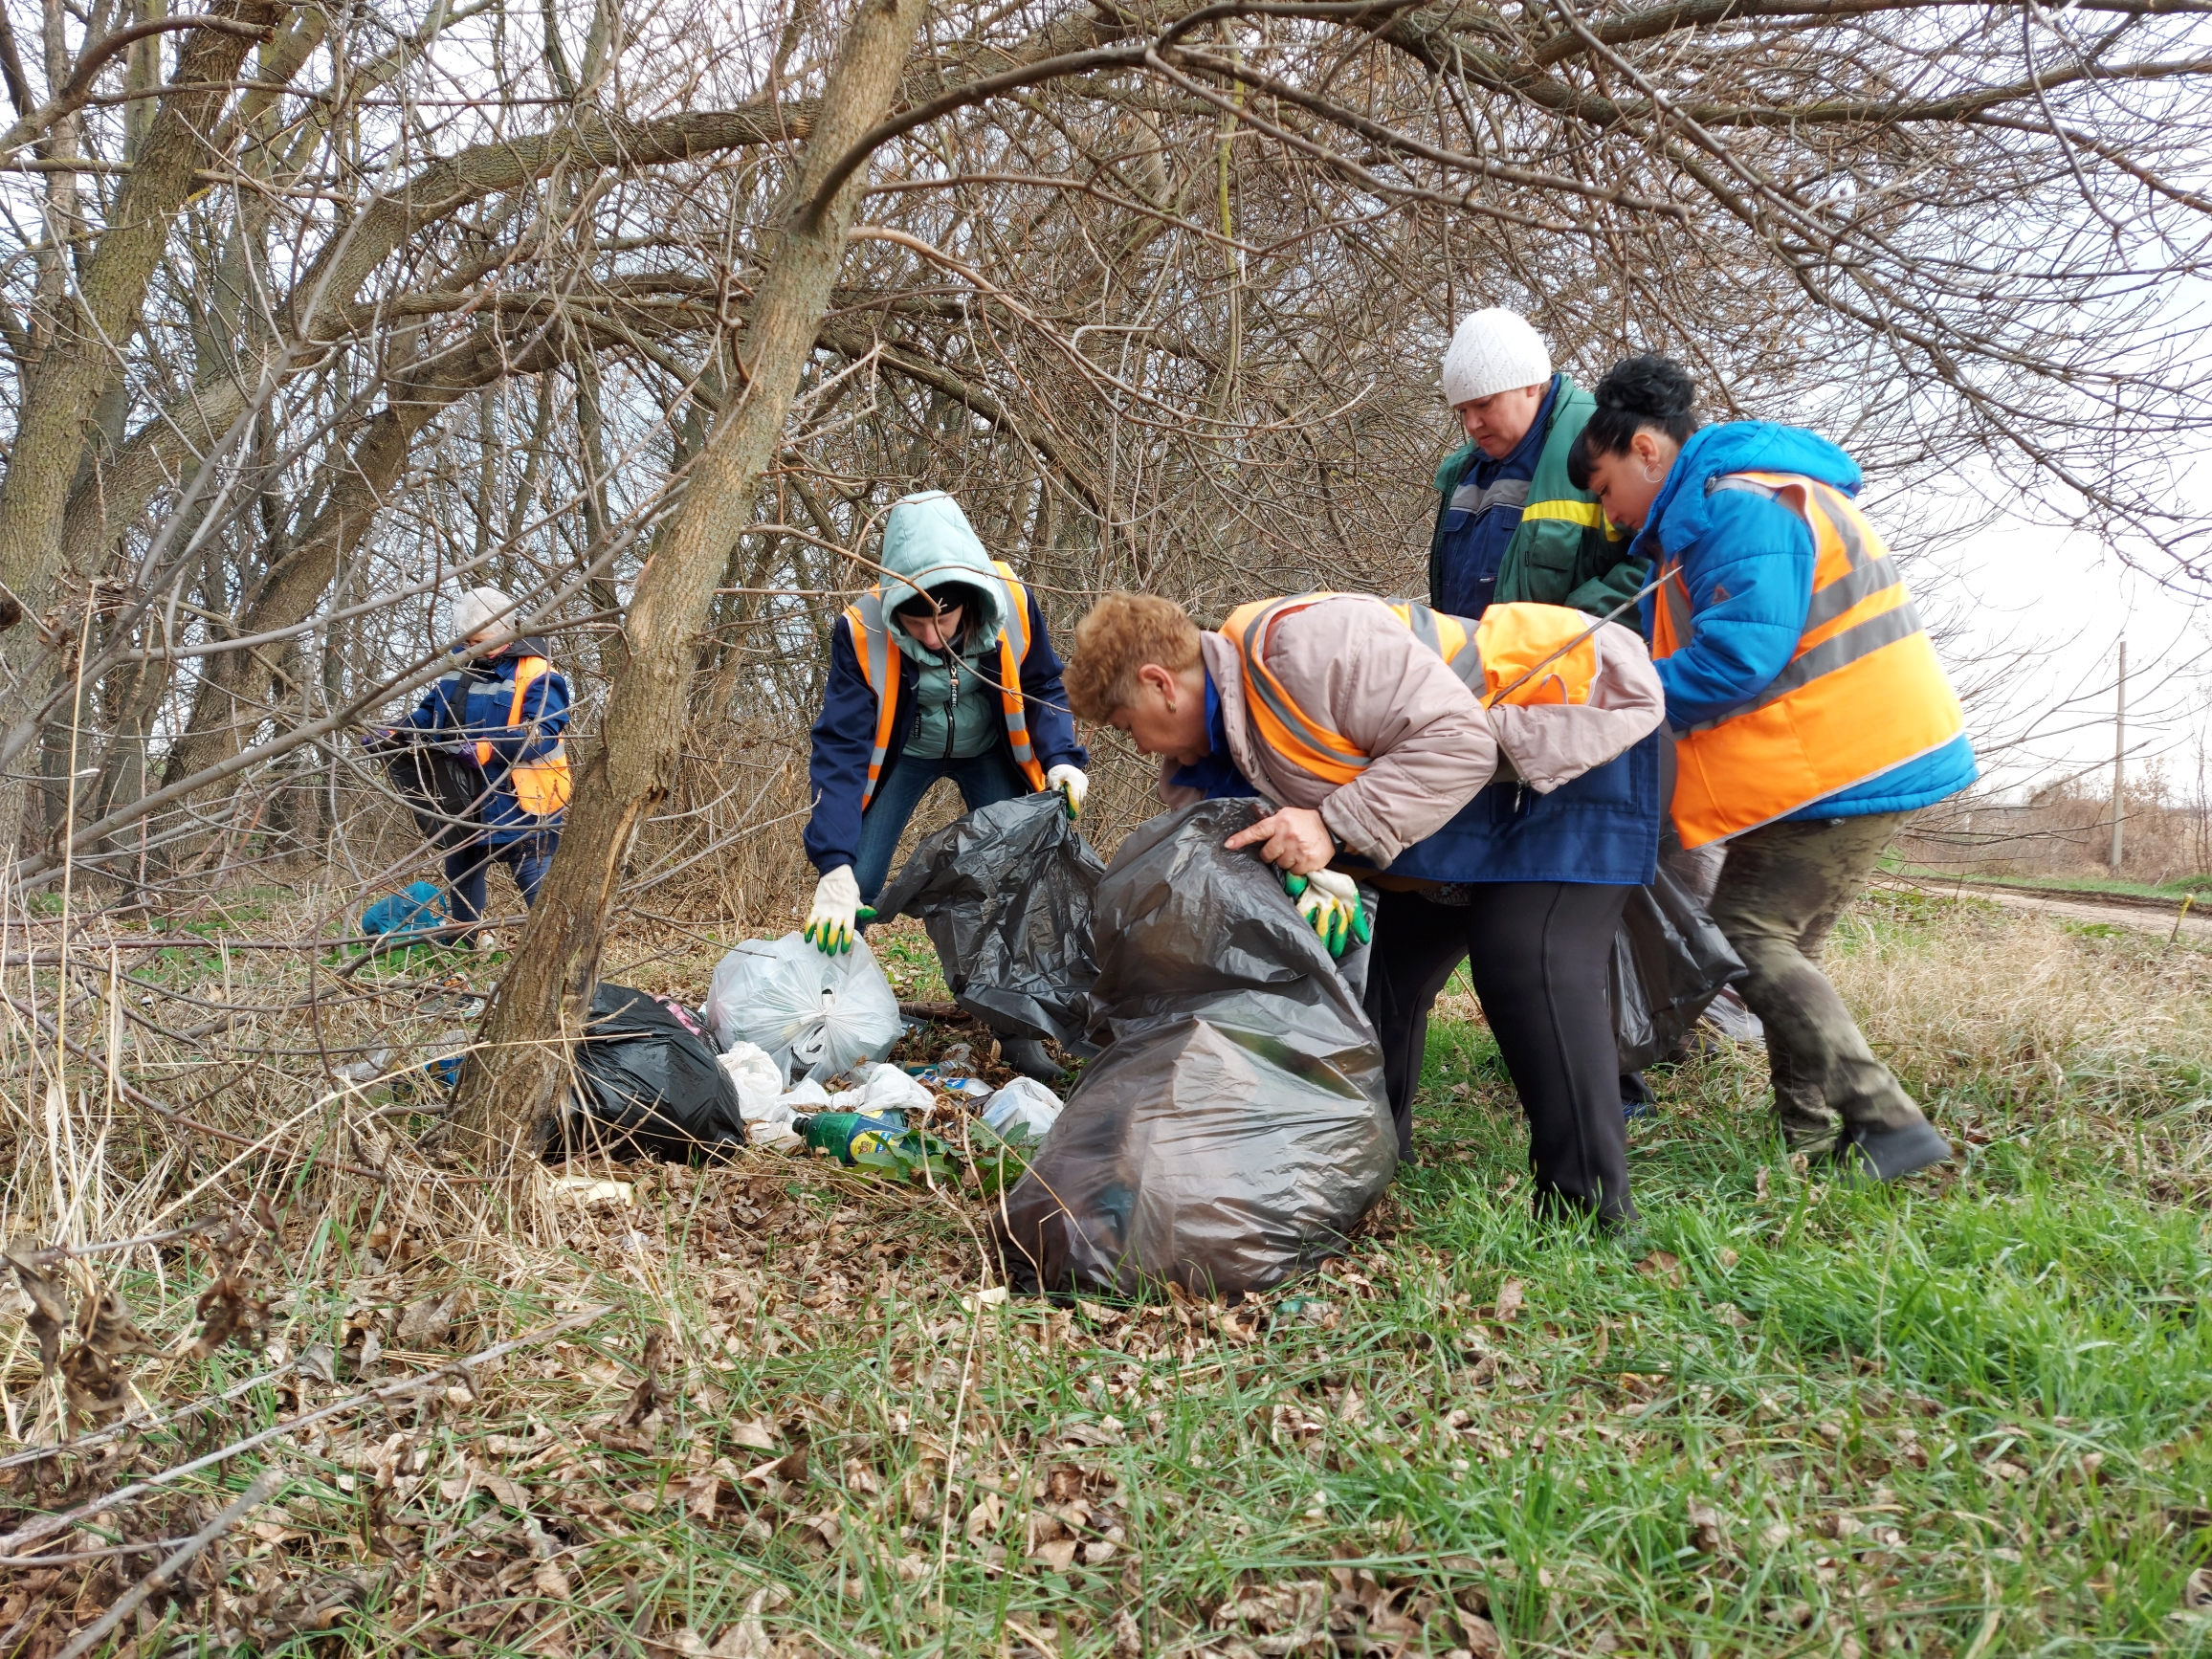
(1492, 351)
(478, 610)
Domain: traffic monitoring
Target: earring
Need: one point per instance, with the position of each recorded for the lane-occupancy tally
(1651, 478)
(1171, 708)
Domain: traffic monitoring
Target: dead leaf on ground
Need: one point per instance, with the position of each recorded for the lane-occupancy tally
(49, 1313)
(2197, 1593)
(1706, 1524)
(1664, 1266)
(759, 1434)
(647, 1395)
(1509, 1300)
(1056, 1556)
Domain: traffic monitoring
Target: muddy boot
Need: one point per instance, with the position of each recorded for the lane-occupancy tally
(1027, 1055)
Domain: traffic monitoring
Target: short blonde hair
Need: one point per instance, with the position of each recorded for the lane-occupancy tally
(1122, 633)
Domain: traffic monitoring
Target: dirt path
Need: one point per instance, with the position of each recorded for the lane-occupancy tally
(2137, 916)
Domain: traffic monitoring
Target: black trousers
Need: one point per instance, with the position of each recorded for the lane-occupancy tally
(1538, 953)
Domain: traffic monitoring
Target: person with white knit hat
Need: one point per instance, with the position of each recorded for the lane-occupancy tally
(1510, 524)
(1536, 926)
(501, 715)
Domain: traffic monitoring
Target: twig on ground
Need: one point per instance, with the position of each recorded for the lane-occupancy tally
(265, 1486)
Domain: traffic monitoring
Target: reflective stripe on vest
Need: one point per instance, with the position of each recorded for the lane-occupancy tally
(879, 668)
(1519, 653)
(1861, 694)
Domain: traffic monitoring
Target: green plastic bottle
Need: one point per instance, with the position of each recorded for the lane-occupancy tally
(847, 1133)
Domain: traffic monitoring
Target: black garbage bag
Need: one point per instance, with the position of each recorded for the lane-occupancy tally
(438, 788)
(647, 1085)
(1236, 1127)
(1670, 961)
(1006, 894)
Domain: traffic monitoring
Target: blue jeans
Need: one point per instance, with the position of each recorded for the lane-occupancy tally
(983, 781)
(467, 867)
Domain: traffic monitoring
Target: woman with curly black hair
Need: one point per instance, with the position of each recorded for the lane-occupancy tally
(1808, 713)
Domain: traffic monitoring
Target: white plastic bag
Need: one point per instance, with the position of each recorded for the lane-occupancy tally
(1024, 1103)
(815, 1015)
(758, 1083)
(885, 1088)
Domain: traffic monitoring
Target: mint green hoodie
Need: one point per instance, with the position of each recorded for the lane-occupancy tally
(927, 542)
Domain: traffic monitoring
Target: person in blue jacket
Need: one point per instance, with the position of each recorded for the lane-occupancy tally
(503, 713)
(942, 670)
(1808, 713)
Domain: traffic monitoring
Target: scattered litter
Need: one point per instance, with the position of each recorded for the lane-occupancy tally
(1007, 894)
(760, 1086)
(589, 1190)
(814, 1015)
(420, 909)
(886, 1088)
(1022, 1104)
(1236, 1126)
(648, 1085)
(991, 1296)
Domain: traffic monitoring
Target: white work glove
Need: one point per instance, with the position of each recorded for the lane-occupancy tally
(1071, 781)
(833, 923)
(1331, 905)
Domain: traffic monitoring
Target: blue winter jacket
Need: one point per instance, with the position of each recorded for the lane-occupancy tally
(472, 702)
(845, 733)
(1748, 563)
(1602, 828)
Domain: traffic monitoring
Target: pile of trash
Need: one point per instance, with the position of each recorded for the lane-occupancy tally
(1235, 1128)
(790, 1053)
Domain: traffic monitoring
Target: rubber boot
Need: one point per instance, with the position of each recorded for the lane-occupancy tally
(1027, 1055)
(1890, 1153)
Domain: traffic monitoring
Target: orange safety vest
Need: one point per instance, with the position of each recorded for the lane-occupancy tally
(541, 786)
(1519, 653)
(1863, 693)
(879, 668)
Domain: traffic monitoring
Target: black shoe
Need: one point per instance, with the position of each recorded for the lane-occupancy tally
(1890, 1153)
(1027, 1055)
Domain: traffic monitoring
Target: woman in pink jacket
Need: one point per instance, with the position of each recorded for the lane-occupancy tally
(1370, 728)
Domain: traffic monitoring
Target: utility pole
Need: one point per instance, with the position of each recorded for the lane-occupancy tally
(2119, 755)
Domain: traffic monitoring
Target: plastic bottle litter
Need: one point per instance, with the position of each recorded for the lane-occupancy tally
(1022, 1104)
(849, 1134)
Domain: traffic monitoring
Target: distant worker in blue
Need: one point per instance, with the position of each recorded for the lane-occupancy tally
(503, 713)
(942, 670)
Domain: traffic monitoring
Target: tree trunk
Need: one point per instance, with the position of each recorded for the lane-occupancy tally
(509, 1086)
(93, 320)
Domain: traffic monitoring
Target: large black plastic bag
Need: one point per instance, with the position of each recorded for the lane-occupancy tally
(438, 788)
(1236, 1127)
(1007, 894)
(1670, 961)
(647, 1085)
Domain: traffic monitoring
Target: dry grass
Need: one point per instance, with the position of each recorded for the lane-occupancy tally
(1787, 1418)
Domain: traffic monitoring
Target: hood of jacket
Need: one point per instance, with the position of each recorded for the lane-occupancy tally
(928, 541)
(1681, 514)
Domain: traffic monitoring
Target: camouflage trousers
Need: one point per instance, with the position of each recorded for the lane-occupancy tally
(1780, 893)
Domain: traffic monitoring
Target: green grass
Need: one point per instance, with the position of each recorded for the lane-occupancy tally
(2175, 889)
(1963, 1417)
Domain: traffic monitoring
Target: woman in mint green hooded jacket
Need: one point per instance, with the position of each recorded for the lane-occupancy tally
(943, 670)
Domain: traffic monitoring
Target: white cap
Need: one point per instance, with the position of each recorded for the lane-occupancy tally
(1492, 351)
(480, 607)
